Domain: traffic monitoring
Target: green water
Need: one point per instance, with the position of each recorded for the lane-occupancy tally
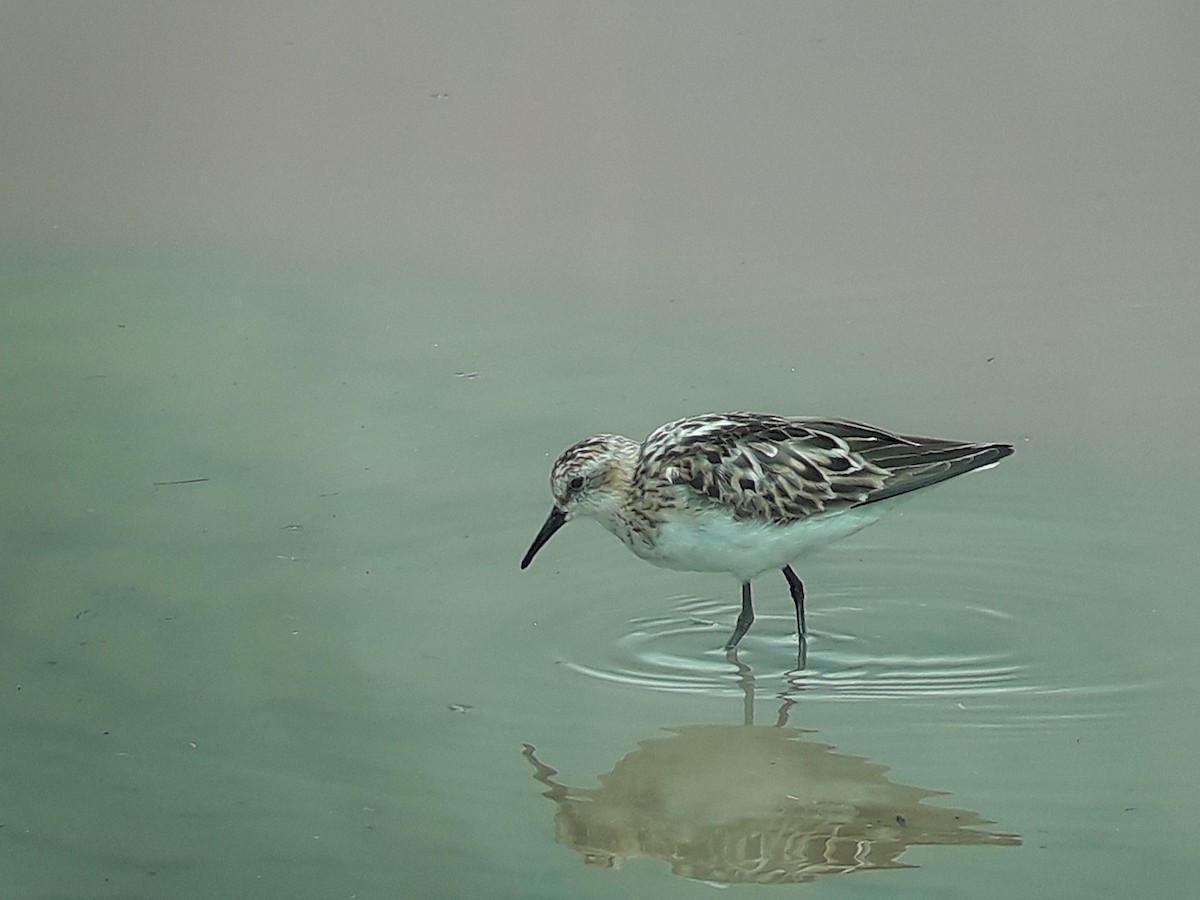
(289, 341)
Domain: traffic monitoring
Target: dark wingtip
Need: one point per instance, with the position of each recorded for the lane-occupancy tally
(920, 471)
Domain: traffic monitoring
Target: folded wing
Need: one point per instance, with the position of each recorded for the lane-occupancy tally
(784, 469)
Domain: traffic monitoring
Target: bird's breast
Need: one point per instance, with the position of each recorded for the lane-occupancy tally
(711, 541)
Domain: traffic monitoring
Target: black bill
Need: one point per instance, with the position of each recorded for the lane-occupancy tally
(556, 520)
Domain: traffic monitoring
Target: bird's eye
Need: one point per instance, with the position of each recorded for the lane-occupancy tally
(575, 483)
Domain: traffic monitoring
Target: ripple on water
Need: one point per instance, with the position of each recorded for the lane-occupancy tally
(681, 652)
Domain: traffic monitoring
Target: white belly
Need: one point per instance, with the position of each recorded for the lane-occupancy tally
(711, 542)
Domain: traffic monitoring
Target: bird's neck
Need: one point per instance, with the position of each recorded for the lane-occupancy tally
(615, 497)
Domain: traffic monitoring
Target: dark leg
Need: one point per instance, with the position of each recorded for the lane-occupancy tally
(744, 620)
(796, 586)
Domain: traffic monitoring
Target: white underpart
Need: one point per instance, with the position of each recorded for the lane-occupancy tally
(711, 541)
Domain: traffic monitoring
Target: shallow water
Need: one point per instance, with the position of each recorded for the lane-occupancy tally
(297, 307)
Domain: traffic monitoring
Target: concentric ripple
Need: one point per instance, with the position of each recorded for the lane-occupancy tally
(681, 651)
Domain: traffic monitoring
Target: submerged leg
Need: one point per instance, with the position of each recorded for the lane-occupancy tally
(796, 586)
(744, 619)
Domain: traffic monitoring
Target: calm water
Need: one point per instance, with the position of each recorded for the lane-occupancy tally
(298, 307)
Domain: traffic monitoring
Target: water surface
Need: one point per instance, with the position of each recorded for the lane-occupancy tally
(297, 307)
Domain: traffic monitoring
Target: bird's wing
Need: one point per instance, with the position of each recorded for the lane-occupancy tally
(911, 462)
(768, 468)
(780, 469)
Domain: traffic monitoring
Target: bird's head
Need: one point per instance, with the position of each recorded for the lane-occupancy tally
(590, 478)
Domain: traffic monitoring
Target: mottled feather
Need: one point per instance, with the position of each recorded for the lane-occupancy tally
(780, 469)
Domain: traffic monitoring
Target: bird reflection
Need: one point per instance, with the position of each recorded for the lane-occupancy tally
(751, 804)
